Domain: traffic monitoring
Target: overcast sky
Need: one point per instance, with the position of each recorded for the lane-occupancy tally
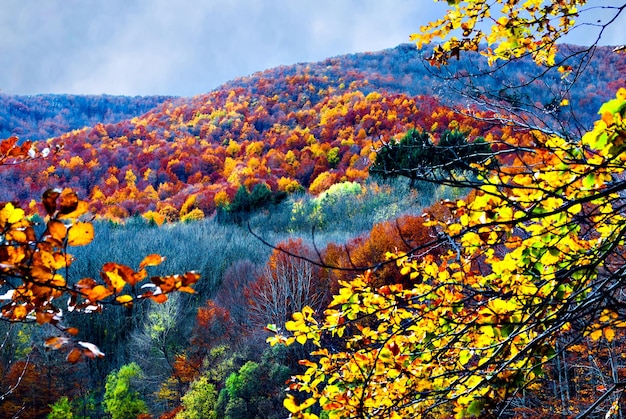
(187, 47)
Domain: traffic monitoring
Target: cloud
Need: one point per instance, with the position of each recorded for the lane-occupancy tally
(145, 47)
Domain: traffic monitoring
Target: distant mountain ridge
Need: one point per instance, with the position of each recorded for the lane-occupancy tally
(396, 70)
(39, 117)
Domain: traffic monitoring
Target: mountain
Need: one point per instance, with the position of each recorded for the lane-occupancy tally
(40, 117)
(291, 128)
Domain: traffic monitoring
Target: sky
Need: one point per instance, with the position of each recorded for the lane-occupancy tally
(189, 47)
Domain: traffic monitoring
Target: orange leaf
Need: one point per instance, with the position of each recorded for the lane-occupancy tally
(57, 230)
(55, 342)
(80, 234)
(91, 350)
(85, 283)
(151, 260)
(167, 283)
(160, 298)
(97, 293)
(74, 356)
(41, 273)
(190, 278)
(44, 317)
(7, 145)
(71, 331)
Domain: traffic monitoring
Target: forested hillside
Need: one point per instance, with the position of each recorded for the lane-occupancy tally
(298, 128)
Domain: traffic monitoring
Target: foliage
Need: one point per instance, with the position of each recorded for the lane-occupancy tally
(256, 389)
(61, 409)
(199, 402)
(32, 266)
(517, 29)
(535, 257)
(314, 127)
(39, 117)
(120, 399)
(415, 155)
(38, 287)
(299, 128)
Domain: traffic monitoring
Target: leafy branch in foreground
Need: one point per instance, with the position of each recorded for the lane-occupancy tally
(536, 257)
(34, 266)
(516, 35)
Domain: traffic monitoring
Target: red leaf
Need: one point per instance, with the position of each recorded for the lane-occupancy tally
(68, 201)
(49, 200)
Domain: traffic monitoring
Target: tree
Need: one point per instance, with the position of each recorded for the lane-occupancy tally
(285, 286)
(34, 262)
(199, 402)
(121, 400)
(415, 155)
(514, 34)
(534, 266)
(257, 388)
(61, 409)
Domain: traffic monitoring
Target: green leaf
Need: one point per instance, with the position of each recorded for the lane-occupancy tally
(476, 407)
(589, 181)
(612, 106)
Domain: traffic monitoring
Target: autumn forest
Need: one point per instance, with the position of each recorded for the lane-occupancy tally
(371, 235)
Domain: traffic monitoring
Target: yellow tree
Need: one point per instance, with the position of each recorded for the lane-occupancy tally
(535, 264)
(516, 33)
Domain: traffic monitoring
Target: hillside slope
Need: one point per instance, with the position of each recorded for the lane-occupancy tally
(301, 127)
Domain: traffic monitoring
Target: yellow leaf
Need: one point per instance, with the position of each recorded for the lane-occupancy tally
(80, 234)
(595, 335)
(116, 280)
(125, 300)
(188, 290)
(10, 214)
(291, 404)
(19, 313)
